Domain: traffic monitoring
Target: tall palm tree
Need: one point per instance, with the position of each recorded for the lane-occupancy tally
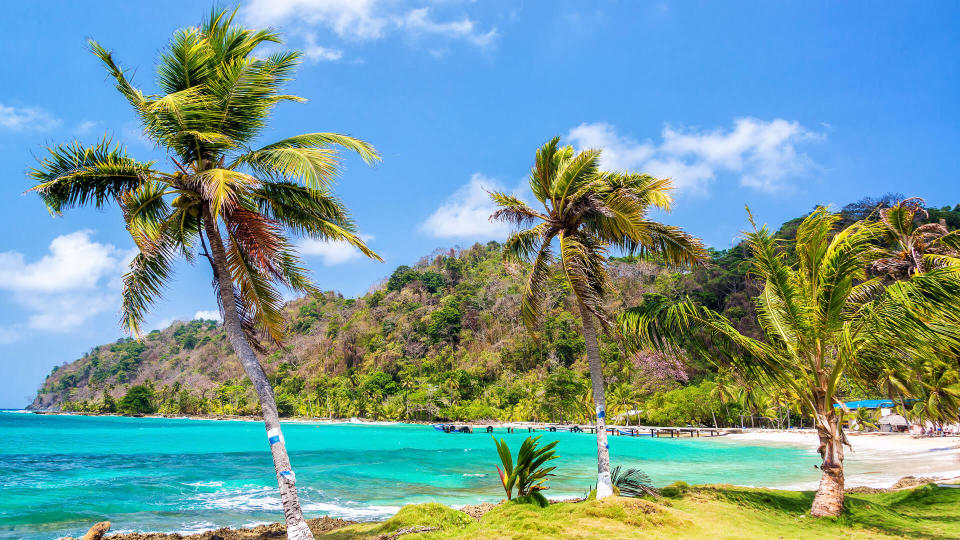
(587, 211)
(820, 316)
(232, 203)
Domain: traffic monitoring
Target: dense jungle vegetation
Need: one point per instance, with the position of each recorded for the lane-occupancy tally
(443, 340)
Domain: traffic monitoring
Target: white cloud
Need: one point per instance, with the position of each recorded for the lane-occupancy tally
(318, 53)
(74, 262)
(467, 212)
(85, 127)
(361, 20)
(332, 253)
(354, 19)
(26, 118)
(209, 315)
(764, 154)
(619, 153)
(418, 20)
(75, 281)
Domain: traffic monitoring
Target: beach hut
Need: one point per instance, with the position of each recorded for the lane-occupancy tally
(893, 423)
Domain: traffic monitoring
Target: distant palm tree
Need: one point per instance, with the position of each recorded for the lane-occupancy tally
(587, 211)
(233, 204)
(914, 249)
(938, 392)
(820, 316)
(724, 390)
(622, 400)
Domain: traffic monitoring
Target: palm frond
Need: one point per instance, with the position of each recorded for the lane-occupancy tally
(72, 175)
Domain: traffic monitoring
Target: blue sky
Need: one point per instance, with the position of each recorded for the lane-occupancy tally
(779, 105)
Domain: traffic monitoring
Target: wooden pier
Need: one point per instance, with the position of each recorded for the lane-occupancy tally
(614, 431)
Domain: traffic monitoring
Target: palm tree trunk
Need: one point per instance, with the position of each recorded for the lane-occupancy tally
(604, 485)
(829, 498)
(297, 528)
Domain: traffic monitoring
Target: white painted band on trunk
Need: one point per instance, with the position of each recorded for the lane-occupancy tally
(604, 485)
(273, 432)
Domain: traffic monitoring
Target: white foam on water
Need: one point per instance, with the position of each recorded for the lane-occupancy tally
(205, 484)
(474, 474)
(352, 511)
(265, 499)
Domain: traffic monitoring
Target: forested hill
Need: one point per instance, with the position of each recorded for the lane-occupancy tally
(440, 340)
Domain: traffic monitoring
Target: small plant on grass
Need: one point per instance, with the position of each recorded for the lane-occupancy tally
(632, 482)
(528, 475)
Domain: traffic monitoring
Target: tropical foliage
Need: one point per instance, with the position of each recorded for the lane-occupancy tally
(371, 356)
(227, 197)
(821, 316)
(587, 211)
(632, 482)
(528, 474)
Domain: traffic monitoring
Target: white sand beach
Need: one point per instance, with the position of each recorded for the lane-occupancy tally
(875, 459)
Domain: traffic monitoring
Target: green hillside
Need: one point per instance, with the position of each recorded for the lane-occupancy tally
(441, 340)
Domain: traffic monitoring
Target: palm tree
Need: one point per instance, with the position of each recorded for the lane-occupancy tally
(232, 204)
(938, 392)
(622, 401)
(723, 390)
(820, 316)
(588, 211)
(914, 249)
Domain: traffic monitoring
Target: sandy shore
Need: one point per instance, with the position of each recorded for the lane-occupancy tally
(875, 459)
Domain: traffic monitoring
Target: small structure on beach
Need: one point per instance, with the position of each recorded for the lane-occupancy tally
(868, 404)
(893, 423)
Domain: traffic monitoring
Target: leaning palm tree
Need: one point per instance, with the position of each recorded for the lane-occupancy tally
(820, 317)
(587, 211)
(223, 199)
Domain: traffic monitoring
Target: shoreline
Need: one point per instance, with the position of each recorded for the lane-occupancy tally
(876, 460)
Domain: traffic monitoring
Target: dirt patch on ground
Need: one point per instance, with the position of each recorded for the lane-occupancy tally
(476, 511)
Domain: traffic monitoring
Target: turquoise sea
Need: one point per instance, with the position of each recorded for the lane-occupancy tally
(60, 474)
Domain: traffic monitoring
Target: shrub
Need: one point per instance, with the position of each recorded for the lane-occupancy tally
(137, 400)
(676, 489)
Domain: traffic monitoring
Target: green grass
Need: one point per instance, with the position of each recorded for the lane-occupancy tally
(694, 512)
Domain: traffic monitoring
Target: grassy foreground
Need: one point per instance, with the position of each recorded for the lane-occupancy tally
(697, 512)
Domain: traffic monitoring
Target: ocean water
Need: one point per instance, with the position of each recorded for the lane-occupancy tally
(60, 474)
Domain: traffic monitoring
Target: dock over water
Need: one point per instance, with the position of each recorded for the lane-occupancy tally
(613, 431)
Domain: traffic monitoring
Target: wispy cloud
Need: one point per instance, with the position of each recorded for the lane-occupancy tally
(207, 314)
(331, 253)
(76, 280)
(466, 214)
(765, 155)
(318, 53)
(27, 118)
(362, 21)
(85, 127)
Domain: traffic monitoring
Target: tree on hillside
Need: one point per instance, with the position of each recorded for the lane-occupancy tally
(821, 317)
(232, 203)
(914, 248)
(587, 211)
